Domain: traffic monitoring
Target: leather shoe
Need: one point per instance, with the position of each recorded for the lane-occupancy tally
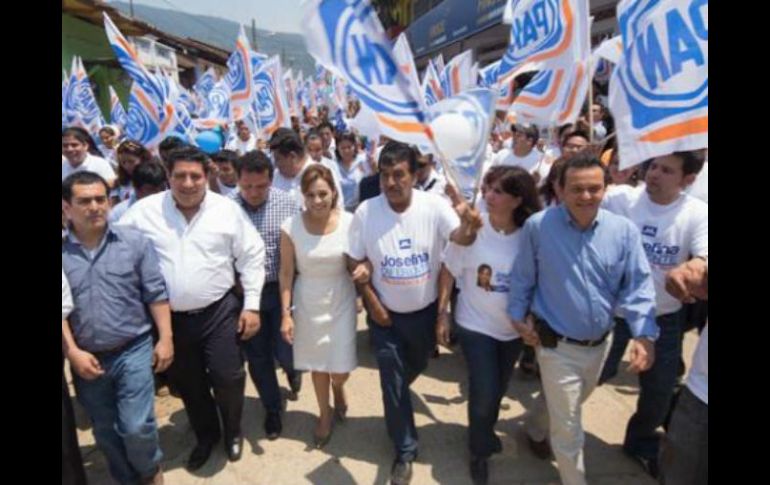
(273, 426)
(401, 473)
(479, 471)
(199, 456)
(498, 446)
(234, 448)
(295, 384)
(541, 449)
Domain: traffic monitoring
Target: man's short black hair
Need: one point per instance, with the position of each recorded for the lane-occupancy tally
(325, 124)
(692, 162)
(530, 131)
(187, 153)
(582, 160)
(81, 178)
(223, 156)
(396, 152)
(286, 141)
(171, 143)
(254, 161)
(149, 173)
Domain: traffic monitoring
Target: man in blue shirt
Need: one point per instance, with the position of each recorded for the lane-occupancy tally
(578, 263)
(115, 279)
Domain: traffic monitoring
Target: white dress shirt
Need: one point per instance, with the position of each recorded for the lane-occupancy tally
(197, 258)
(240, 146)
(292, 185)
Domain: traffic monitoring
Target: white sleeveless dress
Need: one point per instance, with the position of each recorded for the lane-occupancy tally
(324, 299)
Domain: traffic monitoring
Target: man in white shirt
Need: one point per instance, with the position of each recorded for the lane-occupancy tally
(202, 238)
(685, 448)
(244, 141)
(427, 178)
(226, 181)
(403, 232)
(525, 153)
(674, 228)
(75, 143)
(291, 160)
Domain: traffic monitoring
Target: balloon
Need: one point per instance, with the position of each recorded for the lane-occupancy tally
(209, 141)
(453, 134)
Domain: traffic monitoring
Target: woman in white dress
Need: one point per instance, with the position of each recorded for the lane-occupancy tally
(314, 278)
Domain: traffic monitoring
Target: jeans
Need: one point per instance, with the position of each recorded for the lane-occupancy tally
(684, 458)
(402, 351)
(490, 365)
(267, 346)
(656, 389)
(120, 404)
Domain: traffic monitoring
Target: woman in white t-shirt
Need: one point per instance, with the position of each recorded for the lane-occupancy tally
(110, 136)
(317, 295)
(482, 271)
(351, 168)
(130, 153)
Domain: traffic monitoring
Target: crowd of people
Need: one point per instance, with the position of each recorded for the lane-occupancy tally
(197, 266)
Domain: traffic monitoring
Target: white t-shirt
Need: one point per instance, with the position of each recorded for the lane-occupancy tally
(480, 308)
(92, 163)
(508, 158)
(700, 188)
(435, 184)
(404, 249)
(671, 234)
(226, 190)
(241, 146)
(698, 380)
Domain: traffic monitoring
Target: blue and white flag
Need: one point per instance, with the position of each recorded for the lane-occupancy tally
(239, 77)
(659, 90)
(460, 74)
(405, 59)
(545, 35)
(88, 113)
(118, 115)
(270, 104)
(346, 36)
(476, 107)
(431, 85)
(144, 124)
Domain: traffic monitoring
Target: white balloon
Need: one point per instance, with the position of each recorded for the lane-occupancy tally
(453, 134)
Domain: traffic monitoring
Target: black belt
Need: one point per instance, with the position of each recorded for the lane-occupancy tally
(198, 311)
(583, 343)
(119, 348)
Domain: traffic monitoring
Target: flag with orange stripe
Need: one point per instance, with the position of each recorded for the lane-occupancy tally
(659, 88)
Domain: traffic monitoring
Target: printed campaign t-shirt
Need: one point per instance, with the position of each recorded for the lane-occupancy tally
(404, 248)
(482, 273)
(671, 234)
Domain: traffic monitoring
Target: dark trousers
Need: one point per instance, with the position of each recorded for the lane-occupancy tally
(656, 385)
(490, 365)
(684, 458)
(267, 346)
(402, 352)
(72, 472)
(207, 356)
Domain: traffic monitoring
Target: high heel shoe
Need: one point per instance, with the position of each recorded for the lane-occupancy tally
(321, 441)
(341, 413)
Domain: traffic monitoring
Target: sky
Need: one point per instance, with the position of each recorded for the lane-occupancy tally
(275, 15)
